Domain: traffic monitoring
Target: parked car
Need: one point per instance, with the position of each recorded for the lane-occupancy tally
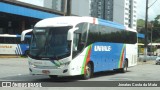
(158, 60)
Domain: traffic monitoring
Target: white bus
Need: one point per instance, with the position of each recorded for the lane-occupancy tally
(11, 44)
(70, 45)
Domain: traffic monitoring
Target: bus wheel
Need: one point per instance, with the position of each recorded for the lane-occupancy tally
(125, 67)
(88, 73)
(53, 76)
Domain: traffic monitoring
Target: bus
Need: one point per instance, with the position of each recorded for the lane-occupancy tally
(11, 44)
(72, 45)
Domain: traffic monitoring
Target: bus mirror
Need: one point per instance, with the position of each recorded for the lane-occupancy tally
(24, 33)
(70, 33)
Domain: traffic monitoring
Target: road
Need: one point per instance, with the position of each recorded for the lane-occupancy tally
(16, 69)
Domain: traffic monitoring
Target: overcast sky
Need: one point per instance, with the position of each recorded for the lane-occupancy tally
(152, 12)
(35, 2)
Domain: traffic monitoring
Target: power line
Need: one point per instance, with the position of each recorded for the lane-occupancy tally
(153, 3)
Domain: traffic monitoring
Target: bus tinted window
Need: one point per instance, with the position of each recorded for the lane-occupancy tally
(83, 30)
(10, 40)
(27, 41)
(13, 40)
(99, 33)
(93, 34)
(109, 34)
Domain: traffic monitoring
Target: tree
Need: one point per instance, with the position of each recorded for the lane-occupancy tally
(157, 21)
(155, 29)
(140, 23)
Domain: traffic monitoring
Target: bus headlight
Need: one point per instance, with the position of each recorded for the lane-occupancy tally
(32, 65)
(64, 64)
(67, 63)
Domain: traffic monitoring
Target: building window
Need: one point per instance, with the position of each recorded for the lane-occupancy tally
(108, 7)
(134, 25)
(126, 9)
(126, 18)
(126, 14)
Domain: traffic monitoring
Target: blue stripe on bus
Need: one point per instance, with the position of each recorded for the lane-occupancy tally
(111, 24)
(28, 36)
(24, 48)
(19, 49)
(16, 51)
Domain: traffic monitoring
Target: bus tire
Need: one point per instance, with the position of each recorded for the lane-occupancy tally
(89, 71)
(53, 77)
(125, 67)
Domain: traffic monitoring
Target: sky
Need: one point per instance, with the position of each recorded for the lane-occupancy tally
(35, 2)
(152, 11)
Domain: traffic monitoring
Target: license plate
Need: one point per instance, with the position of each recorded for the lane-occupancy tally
(45, 71)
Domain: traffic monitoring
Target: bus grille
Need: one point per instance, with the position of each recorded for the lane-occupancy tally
(47, 67)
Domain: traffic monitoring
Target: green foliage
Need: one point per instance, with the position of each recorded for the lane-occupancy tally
(157, 21)
(155, 29)
(140, 23)
(157, 40)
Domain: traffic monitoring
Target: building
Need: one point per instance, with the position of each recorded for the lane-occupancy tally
(125, 12)
(18, 15)
(57, 5)
(81, 7)
(120, 11)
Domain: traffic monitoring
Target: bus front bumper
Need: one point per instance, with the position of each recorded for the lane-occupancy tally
(59, 71)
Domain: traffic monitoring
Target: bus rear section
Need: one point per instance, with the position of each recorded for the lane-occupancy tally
(11, 45)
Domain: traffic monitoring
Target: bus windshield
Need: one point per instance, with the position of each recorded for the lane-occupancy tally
(50, 42)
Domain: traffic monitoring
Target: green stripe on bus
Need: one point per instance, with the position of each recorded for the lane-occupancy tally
(119, 65)
(85, 58)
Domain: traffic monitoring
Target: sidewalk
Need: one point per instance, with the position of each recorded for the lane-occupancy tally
(9, 56)
(147, 62)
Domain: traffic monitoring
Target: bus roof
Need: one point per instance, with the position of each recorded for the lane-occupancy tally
(74, 20)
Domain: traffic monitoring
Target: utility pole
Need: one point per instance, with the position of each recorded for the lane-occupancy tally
(146, 32)
(104, 10)
(64, 8)
(69, 7)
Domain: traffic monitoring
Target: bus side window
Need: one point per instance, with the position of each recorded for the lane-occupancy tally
(93, 34)
(2, 39)
(8, 40)
(80, 37)
(75, 41)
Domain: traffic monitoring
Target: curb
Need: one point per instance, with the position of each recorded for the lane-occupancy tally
(9, 56)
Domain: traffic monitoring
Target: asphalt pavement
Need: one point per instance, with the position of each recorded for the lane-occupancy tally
(16, 69)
